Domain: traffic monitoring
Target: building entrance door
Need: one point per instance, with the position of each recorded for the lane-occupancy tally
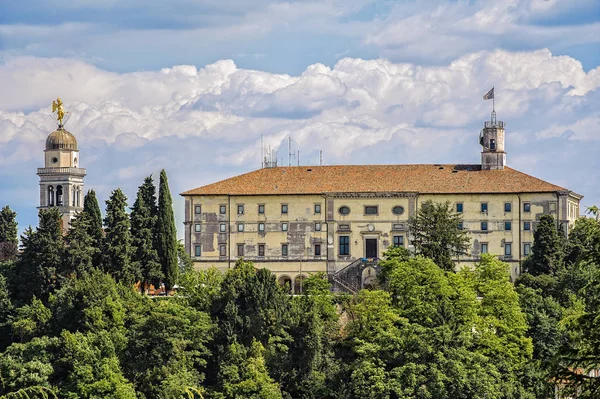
(370, 248)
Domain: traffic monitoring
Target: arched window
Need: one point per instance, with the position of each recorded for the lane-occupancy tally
(59, 196)
(50, 197)
(492, 144)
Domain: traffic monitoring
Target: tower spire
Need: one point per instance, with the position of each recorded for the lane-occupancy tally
(61, 178)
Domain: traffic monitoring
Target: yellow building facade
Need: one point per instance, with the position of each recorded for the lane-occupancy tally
(300, 220)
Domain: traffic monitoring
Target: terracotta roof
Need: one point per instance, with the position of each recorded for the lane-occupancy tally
(426, 179)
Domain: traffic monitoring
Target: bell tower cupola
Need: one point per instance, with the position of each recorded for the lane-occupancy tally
(61, 178)
(491, 139)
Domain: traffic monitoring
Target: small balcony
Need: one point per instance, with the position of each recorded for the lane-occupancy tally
(61, 171)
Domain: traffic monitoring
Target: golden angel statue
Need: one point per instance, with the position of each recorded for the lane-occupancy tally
(57, 106)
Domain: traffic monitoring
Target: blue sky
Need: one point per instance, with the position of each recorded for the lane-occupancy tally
(190, 86)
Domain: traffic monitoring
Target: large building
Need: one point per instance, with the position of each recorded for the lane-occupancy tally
(338, 219)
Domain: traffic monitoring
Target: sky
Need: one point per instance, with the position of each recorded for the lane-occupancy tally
(191, 85)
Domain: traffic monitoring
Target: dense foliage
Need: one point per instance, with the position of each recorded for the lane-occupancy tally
(71, 329)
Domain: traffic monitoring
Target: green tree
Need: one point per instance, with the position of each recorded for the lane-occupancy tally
(92, 209)
(243, 374)
(6, 311)
(27, 365)
(80, 247)
(167, 233)
(200, 288)
(308, 368)
(548, 249)
(436, 233)
(8, 234)
(30, 321)
(143, 222)
(41, 260)
(94, 302)
(167, 349)
(251, 306)
(89, 366)
(584, 241)
(117, 248)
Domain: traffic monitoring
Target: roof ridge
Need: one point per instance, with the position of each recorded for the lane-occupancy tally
(421, 178)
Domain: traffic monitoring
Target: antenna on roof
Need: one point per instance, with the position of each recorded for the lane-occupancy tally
(270, 159)
(291, 153)
(262, 148)
(298, 157)
(320, 157)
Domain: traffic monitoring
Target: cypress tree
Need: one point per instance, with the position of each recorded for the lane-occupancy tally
(547, 252)
(167, 233)
(81, 250)
(117, 244)
(41, 259)
(91, 209)
(143, 225)
(8, 234)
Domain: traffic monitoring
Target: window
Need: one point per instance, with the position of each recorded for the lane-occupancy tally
(240, 227)
(461, 226)
(398, 210)
(492, 144)
(284, 208)
(261, 209)
(261, 249)
(484, 226)
(261, 227)
(553, 207)
(222, 227)
(50, 196)
(197, 227)
(222, 209)
(317, 226)
(527, 207)
(344, 210)
(526, 248)
(317, 208)
(240, 249)
(484, 247)
(484, 207)
(197, 209)
(59, 196)
(507, 225)
(507, 249)
(222, 250)
(284, 250)
(507, 207)
(398, 241)
(459, 207)
(527, 226)
(344, 245)
(284, 227)
(197, 250)
(240, 209)
(371, 210)
(317, 249)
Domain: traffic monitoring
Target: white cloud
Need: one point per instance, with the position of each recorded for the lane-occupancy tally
(204, 124)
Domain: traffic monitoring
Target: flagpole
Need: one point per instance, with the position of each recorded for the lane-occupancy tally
(494, 100)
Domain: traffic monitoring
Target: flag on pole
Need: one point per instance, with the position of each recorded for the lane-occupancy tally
(489, 95)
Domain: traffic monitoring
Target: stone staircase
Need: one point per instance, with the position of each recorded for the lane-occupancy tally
(349, 279)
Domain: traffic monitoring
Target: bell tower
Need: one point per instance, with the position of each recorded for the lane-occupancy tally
(61, 178)
(491, 139)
